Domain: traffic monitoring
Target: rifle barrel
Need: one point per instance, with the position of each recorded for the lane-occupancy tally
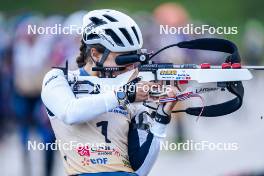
(254, 67)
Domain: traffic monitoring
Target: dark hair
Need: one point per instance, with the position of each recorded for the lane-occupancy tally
(85, 53)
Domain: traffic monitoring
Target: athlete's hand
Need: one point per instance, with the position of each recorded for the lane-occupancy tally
(142, 90)
(171, 93)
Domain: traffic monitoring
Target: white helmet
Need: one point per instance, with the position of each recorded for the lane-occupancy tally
(113, 29)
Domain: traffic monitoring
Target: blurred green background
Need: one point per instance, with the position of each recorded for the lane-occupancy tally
(214, 12)
(225, 12)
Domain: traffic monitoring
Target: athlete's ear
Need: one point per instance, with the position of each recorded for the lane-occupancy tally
(95, 55)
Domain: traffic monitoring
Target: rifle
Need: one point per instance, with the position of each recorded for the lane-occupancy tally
(228, 76)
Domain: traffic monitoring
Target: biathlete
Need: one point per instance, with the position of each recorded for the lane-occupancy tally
(130, 148)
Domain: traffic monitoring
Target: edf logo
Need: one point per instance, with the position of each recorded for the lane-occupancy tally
(99, 161)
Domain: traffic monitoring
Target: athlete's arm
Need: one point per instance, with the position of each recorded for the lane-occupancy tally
(59, 99)
(143, 146)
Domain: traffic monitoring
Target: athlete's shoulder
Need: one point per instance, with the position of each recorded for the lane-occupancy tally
(55, 74)
(51, 76)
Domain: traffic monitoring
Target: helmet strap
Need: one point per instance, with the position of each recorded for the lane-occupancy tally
(103, 58)
(99, 64)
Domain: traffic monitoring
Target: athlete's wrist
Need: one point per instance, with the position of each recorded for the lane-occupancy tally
(122, 98)
(162, 116)
(161, 119)
(130, 90)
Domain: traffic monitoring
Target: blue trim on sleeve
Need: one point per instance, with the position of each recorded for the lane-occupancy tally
(137, 154)
(83, 72)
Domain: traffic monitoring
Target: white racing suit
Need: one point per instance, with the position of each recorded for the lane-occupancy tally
(96, 135)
